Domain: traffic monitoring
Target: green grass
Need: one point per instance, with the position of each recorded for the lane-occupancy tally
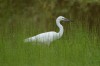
(79, 46)
(75, 48)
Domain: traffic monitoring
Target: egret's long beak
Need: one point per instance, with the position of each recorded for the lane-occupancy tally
(67, 20)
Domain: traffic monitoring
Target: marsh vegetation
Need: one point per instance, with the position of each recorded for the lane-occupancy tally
(79, 46)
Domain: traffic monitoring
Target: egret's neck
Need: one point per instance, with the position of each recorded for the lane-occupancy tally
(60, 27)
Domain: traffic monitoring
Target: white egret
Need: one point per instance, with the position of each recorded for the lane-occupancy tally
(48, 37)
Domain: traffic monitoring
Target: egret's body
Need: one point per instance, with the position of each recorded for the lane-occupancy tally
(48, 37)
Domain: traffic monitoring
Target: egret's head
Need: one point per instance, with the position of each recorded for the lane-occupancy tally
(61, 18)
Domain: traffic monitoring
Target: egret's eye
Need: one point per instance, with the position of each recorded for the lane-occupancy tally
(62, 18)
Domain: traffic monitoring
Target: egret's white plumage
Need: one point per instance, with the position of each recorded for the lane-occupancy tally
(48, 37)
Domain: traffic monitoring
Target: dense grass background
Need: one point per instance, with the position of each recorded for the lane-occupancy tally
(79, 46)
